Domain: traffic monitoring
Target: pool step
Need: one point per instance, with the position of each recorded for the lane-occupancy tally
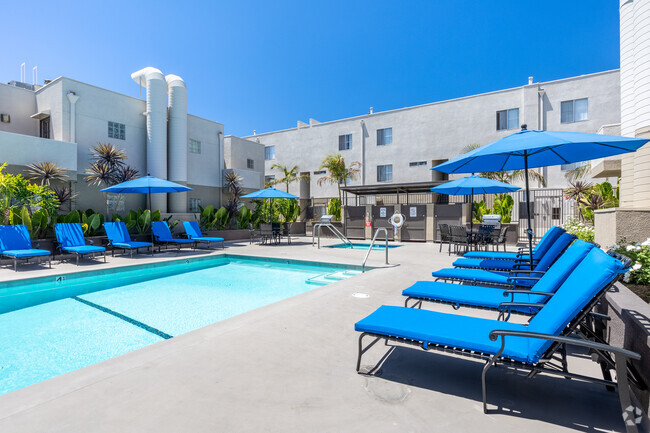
(323, 279)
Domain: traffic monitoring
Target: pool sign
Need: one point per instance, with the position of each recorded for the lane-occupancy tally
(382, 212)
(368, 223)
(413, 212)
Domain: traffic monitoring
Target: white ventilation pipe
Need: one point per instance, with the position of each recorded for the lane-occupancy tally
(177, 133)
(156, 114)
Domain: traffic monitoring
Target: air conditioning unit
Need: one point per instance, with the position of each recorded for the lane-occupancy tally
(5, 118)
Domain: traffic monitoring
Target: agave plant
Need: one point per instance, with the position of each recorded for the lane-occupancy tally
(45, 172)
(233, 186)
(65, 195)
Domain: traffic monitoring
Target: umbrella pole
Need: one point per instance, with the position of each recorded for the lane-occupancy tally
(529, 232)
(471, 215)
(150, 228)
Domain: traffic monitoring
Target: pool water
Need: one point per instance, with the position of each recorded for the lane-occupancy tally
(54, 325)
(358, 246)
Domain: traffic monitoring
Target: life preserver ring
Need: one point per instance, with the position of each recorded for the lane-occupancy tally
(397, 220)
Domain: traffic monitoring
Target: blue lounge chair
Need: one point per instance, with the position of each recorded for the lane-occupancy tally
(521, 276)
(550, 255)
(16, 244)
(118, 237)
(527, 347)
(71, 240)
(194, 232)
(540, 249)
(163, 235)
(505, 300)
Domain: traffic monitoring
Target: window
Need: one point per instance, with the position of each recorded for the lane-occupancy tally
(573, 166)
(417, 163)
(384, 136)
(575, 110)
(195, 204)
(508, 119)
(320, 172)
(116, 130)
(194, 146)
(345, 142)
(269, 152)
(269, 179)
(250, 164)
(384, 173)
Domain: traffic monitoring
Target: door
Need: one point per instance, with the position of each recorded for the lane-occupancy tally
(415, 223)
(380, 217)
(355, 220)
(451, 214)
(44, 127)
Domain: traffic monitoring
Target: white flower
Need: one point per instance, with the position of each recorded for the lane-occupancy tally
(646, 243)
(614, 247)
(630, 248)
(636, 266)
(626, 277)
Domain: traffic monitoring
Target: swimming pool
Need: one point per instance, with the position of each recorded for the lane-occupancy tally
(56, 324)
(357, 246)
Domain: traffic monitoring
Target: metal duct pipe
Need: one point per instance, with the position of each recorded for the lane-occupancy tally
(177, 135)
(156, 128)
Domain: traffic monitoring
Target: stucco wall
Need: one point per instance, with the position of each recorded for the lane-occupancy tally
(612, 225)
(20, 104)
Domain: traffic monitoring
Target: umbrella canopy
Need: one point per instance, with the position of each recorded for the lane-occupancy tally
(530, 149)
(471, 185)
(146, 185)
(269, 193)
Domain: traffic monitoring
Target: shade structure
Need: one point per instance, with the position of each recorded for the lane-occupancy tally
(147, 185)
(269, 193)
(530, 149)
(471, 185)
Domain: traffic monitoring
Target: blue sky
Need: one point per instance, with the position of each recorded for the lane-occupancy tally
(264, 65)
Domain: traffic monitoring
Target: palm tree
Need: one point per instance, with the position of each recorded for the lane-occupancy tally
(108, 168)
(337, 172)
(45, 172)
(290, 175)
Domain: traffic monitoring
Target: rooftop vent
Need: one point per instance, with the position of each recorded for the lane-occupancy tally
(530, 80)
(21, 85)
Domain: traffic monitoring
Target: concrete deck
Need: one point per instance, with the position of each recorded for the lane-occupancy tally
(290, 366)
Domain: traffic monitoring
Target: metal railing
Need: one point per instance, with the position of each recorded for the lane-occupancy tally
(316, 230)
(374, 238)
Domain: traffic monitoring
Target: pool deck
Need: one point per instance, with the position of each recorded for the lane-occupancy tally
(290, 367)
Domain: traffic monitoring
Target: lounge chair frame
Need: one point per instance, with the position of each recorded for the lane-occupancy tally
(15, 260)
(78, 254)
(554, 360)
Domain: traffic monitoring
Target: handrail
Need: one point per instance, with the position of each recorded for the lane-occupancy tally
(333, 229)
(374, 238)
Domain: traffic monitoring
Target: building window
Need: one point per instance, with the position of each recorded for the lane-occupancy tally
(384, 136)
(194, 146)
(250, 164)
(573, 166)
(575, 110)
(345, 142)
(116, 130)
(195, 205)
(269, 152)
(384, 173)
(320, 172)
(417, 163)
(507, 119)
(269, 179)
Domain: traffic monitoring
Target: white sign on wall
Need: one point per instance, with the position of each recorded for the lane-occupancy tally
(413, 212)
(382, 212)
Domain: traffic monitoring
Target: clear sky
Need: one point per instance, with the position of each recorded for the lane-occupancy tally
(264, 65)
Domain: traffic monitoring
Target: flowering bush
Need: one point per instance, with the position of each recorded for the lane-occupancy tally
(639, 273)
(581, 230)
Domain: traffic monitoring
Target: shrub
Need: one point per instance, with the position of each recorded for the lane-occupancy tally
(639, 273)
(581, 230)
(334, 208)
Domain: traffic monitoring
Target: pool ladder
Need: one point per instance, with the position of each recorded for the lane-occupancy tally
(374, 238)
(334, 230)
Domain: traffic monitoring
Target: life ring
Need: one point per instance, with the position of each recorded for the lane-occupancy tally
(397, 220)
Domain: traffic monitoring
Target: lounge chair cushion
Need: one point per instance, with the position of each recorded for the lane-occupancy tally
(117, 232)
(494, 255)
(163, 234)
(69, 234)
(207, 239)
(505, 265)
(131, 244)
(431, 327)
(592, 274)
(26, 253)
(540, 249)
(14, 237)
(84, 249)
(478, 276)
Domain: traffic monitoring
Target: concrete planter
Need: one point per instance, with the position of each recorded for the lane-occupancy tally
(229, 235)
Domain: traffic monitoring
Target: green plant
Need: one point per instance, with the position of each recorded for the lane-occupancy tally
(581, 230)
(138, 221)
(17, 192)
(36, 223)
(45, 172)
(338, 172)
(639, 253)
(290, 175)
(290, 209)
(211, 219)
(480, 209)
(503, 205)
(233, 186)
(334, 208)
(244, 217)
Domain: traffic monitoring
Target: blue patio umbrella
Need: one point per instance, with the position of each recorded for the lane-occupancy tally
(471, 185)
(530, 149)
(269, 193)
(146, 185)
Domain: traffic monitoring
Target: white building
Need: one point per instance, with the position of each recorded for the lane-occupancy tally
(62, 120)
(398, 147)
